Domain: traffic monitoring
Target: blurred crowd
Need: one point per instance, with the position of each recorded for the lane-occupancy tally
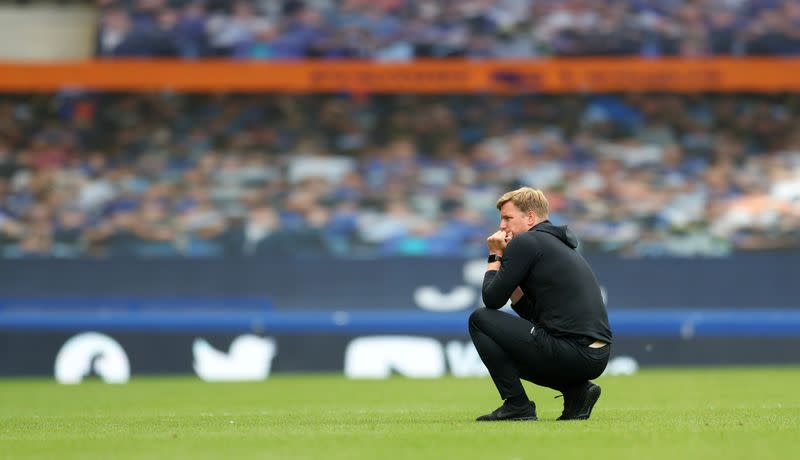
(160, 175)
(407, 29)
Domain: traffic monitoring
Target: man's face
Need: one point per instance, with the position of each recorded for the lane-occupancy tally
(513, 221)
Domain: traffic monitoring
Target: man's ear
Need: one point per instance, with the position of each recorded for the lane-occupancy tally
(532, 218)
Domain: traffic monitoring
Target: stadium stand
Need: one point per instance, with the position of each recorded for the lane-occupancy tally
(173, 175)
(388, 30)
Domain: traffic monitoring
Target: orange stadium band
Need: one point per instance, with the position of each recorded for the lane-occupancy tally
(532, 76)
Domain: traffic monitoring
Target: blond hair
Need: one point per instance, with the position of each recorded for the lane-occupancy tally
(527, 199)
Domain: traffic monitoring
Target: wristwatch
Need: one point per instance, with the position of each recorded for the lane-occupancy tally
(494, 258)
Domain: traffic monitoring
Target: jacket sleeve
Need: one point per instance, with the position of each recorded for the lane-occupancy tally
(524, 308)
(517, 260)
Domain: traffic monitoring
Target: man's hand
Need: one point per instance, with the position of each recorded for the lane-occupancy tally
(516, 295)
(497, 242)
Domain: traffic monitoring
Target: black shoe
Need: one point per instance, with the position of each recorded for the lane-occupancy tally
(509, 412)
(578, 403)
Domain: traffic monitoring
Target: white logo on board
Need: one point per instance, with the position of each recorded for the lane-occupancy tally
(376, 357)
(433, 299)
(249, 358)
(459, 298)
(464, 360)
(92, 352)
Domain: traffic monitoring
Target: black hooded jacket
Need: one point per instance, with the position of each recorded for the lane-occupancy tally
(561, 292)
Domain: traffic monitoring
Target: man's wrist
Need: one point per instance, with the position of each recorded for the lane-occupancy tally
(494, 258)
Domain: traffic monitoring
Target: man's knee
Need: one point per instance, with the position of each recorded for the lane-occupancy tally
(479, 316)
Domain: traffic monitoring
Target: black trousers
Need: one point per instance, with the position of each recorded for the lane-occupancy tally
(512, 352)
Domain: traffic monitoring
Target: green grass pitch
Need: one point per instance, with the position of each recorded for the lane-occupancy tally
(723, 413)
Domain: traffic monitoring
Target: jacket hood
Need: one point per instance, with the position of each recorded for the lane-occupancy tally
(559, 231)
